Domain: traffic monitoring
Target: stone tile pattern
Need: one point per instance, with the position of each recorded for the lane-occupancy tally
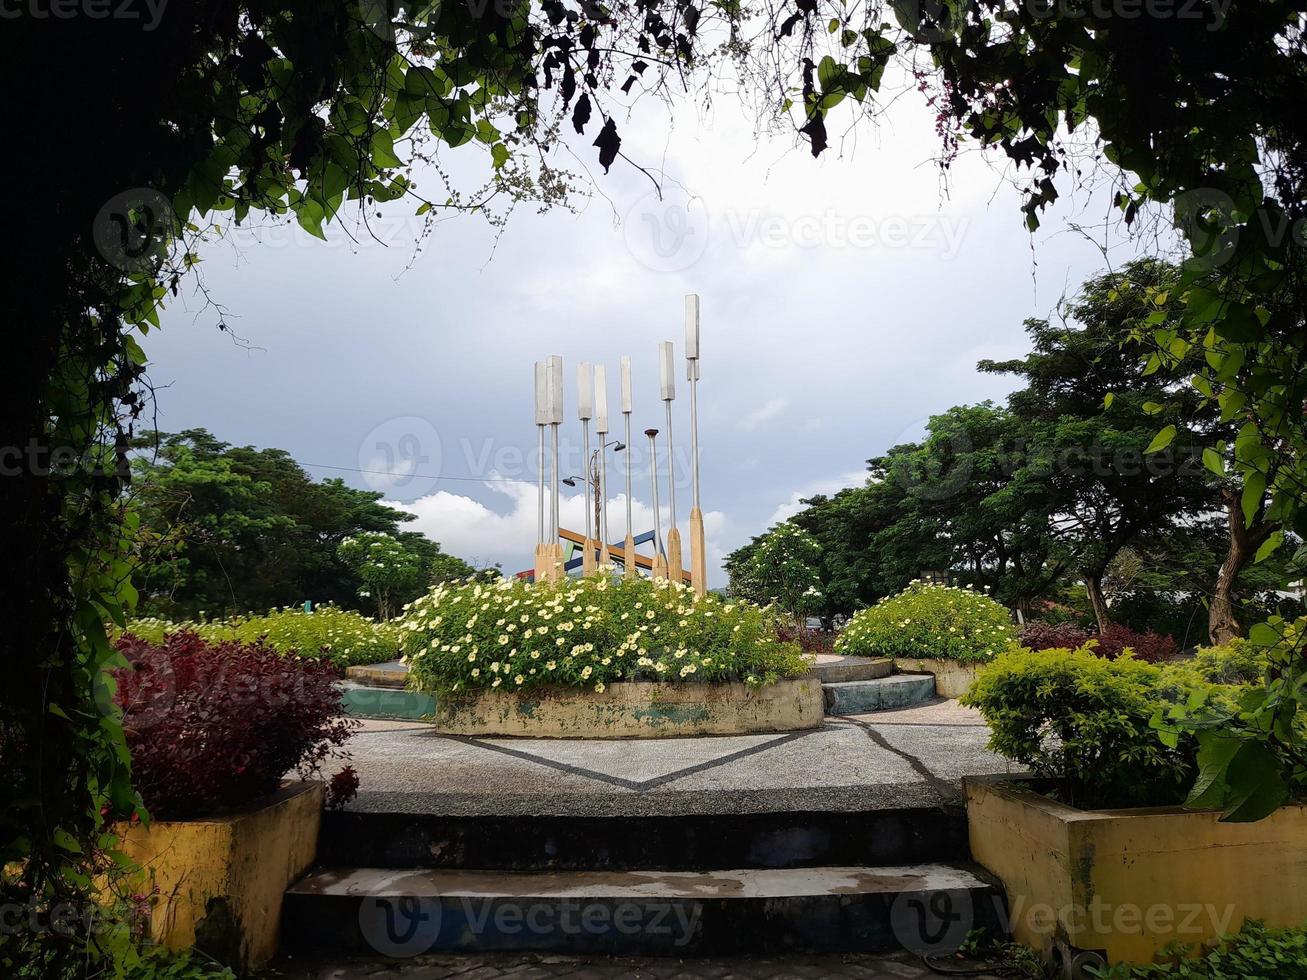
(858, 966)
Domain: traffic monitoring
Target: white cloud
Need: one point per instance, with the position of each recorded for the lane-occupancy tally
(785, 511)
(764, 413)
(474, 531)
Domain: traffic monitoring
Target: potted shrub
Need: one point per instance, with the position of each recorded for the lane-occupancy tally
(934, 629)
(1095, 849)
(602, 657)
(212, 729)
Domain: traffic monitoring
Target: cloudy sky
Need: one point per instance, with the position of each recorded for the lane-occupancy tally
(844, 300)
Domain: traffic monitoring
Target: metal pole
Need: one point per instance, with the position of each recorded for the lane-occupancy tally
(628, 474)
(653, 479)
(553, 552)
(698, 559)
(540, 523)
(602, 492)
(585, 455)
(553, 510)
(671, 470)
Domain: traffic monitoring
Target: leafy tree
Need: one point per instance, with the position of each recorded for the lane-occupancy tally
(234, 529)
(992, 533)
(873, 543)
(782, 568)
(386, 569)
(1087, 412)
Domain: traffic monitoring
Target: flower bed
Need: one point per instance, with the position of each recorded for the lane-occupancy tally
(587, 633)
(212, 728)
(1099, 841)
(930, 622)
(327, 633)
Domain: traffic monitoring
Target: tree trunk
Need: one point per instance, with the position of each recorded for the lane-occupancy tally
(1094, 590)
(1222, 624)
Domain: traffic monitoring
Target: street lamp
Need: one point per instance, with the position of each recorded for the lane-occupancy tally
(594, 480)
(698, 558)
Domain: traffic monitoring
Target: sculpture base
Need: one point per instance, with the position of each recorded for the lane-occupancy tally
(635, 709)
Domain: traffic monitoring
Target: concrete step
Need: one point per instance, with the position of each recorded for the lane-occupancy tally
(613, 841)
(837, 669)
(404, 912)
(881, 694)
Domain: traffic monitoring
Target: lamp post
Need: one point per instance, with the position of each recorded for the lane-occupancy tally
(554, 376)
(628, 568)
(542, 420)
(585, 411)
(601, 427)
(698, 556)
(593, 480)
(659, 560)
(667, 375)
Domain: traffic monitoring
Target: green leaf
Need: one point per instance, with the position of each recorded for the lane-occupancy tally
(1213, 461)
(1269, 546)
(66, 840)
(1254, 491)
(1161, 440)
(1263, 635)
(1152, 408)
(1108, 399)
(1214, 755)
(1255, 784)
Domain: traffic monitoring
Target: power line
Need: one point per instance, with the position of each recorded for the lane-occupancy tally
(416, 476)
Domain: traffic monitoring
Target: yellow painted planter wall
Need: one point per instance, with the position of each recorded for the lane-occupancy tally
(1128, 882)
(952, 679)
(221, 879)
(636, 709)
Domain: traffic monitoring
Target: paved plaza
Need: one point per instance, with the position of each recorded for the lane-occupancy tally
(913, 757)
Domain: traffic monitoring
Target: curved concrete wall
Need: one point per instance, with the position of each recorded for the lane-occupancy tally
(952, 679)
(636, 709)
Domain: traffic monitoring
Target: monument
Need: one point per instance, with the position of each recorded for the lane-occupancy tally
(597, 550)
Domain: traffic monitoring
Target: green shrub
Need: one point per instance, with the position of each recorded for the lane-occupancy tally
(930, 621)
(1084, 722)
(1253, 953)
(328, 633)
(1235, 662)
(587, 633)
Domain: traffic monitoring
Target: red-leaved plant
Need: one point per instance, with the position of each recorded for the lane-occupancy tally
(1038, 635)
(214, 726)
(1150, 646)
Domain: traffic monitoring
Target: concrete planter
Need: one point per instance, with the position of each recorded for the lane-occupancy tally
(1125, 883)
(952, 678)
(220, 879)
(635, 709)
